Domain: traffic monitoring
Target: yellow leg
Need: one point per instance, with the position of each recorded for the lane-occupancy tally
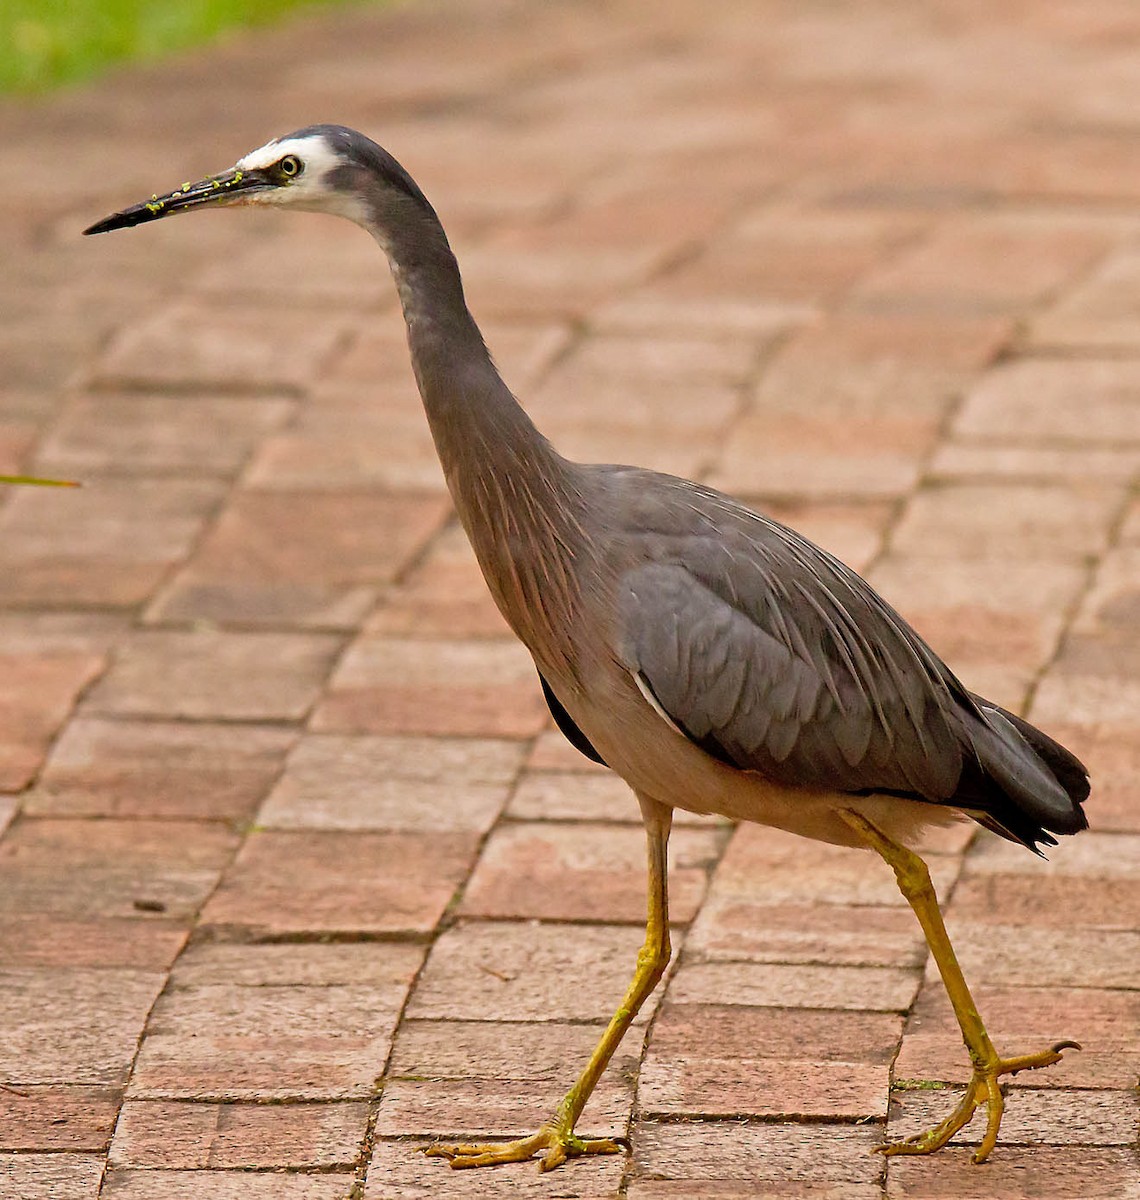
(557, 1137)
(914, 883)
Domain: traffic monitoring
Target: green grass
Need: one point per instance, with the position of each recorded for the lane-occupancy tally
(45, 43)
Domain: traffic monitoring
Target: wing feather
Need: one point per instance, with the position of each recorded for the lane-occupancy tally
(804, 680)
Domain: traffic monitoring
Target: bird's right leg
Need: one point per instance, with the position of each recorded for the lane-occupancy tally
(983, 1088)
(557, 1137)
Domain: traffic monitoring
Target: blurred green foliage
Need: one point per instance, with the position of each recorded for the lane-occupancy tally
(48, 42)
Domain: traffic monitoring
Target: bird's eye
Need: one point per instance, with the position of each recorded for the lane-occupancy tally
(290, 166)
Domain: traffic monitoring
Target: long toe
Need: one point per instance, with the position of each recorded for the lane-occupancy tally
(486, 1154)
(558, 1144)
(983, 1089)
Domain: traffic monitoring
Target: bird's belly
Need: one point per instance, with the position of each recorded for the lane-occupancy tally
(657, 761)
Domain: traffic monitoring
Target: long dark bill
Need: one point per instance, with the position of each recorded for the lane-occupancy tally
(218, 189)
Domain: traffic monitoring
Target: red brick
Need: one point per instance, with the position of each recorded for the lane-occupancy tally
(1113, 759)
(727, 1189)
(649, 310)
(549, 1052)
(491, 1108)
(1100, 699)
(234, 349)
(772, 867)
(583, 872)
(208, 675)
(976, 462)
(1033, 1173)
(393, 686)
(954, 268)
(1040, 399)
(682, 452)
(703, 1032)
(387, 967)
(146, 1184)
(665, 361)
(57, 1118)
(135, 434)
(759, 1153)
(951, 342)
(757, 1087)
(15, 441)
(517, 972)
(154, 768)
(570, 795)
(1050, 900)
(784, 262)
(810, 455)
(108, 544)
(84, 869)
(335, 446)
(524, 350)
(179, 1136)
(815, 375)
(327, 271)
(1101, 312)
(393, 783)
(582, 395)
(73, 1025)
(1033, 1116)
(731, 929)
(324, 882)
(399, 1172)
(549, 280)
(444, 596)
(47, 633)
(275, 1023)
(878, 989)
(1015, 521)
(299, 558)
(1025, 955)
(141, 943)
(1022, 1020)
(36, 696)
(1092, 855)
(60, 1176)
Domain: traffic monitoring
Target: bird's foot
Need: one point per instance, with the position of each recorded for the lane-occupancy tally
(983, 1088)
(558, 1143)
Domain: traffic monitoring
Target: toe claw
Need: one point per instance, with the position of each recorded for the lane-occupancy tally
(1067, 1044)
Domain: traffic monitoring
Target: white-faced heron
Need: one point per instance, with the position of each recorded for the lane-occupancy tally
(713, 658)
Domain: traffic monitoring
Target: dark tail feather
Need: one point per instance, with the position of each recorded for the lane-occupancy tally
(1021, 783)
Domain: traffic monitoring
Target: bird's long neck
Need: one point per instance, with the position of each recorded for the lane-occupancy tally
(516, 496)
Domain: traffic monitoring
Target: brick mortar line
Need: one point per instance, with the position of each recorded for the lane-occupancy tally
(1093, 565)
(166, 987)
(446, 921)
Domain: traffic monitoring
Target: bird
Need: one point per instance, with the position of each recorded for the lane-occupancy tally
(713, 658)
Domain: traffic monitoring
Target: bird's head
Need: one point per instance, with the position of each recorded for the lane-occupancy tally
(323, 168)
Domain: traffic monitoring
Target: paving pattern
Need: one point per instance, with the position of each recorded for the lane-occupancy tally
(295, 874)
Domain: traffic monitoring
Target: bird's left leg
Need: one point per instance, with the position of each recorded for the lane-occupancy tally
(556, 1138)
(983, 1088)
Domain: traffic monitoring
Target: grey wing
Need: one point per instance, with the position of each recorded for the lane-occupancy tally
(774, 657)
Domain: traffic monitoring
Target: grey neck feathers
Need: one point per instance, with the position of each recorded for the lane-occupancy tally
(517, 497)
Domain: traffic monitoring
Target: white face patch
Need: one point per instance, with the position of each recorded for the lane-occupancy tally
(311, 189)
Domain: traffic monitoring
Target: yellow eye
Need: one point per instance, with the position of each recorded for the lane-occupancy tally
(290, 166)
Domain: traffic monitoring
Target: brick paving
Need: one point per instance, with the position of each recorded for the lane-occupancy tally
(294, 873)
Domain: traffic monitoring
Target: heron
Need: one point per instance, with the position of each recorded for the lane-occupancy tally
(716, 660)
